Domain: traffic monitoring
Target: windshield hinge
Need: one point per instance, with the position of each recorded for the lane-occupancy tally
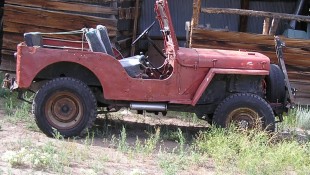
(196, 65)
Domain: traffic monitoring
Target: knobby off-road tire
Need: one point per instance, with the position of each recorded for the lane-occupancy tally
(65, 104)
(246, 111)
(275, 90)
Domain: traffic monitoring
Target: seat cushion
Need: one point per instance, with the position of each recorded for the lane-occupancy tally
(132, 65)
(33, 39)
(94, 41)
(102, 33)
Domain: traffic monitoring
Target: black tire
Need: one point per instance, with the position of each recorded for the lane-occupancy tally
(275, 85)
(65, 104)
(247, 111)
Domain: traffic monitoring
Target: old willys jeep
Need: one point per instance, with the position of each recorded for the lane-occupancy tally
(72, 82)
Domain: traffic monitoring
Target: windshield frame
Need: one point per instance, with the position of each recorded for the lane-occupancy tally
(165, 22)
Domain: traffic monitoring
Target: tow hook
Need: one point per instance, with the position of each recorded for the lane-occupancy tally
(7, 82)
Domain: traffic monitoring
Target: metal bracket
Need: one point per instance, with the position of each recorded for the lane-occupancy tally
(279, 51)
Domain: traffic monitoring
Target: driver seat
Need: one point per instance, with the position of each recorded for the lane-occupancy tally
(99, 41)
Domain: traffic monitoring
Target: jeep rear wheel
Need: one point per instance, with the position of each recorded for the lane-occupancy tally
(64, 104)
(246, 111)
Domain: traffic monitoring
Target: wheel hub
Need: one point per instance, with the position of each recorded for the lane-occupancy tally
(245, 118)
(64, 110)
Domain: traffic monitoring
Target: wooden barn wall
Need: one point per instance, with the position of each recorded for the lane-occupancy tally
(1, 27)
(21, 16)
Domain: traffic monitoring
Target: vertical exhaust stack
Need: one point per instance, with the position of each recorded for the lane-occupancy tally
(298, 9)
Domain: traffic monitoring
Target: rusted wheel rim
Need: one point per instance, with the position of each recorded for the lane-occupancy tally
(245, 118)
(64, 110)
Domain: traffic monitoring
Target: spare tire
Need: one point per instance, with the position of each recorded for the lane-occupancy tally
(275, 90)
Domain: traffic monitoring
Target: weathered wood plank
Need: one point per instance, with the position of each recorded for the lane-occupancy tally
(299, 76)
(8, 62)
(246, 38)
(256, 13)
(303, 92)
(52, 19)
(196, 12)
(243, 24)
(266, 26)
(97, 1)
(10, 40)
(65, 6)
(126, 13)
(135, 27)
(274, 26)
(19, 28)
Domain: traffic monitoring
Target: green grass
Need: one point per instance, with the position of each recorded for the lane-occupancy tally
(303, 117)
(225, 151)
(19, 112)
(254, 152)
(47, 156)
(16, 110)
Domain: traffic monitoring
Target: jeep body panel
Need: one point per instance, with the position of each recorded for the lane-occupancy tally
(193, 69)
(225, 59)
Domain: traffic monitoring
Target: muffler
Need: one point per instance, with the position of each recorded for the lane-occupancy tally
(149, 106)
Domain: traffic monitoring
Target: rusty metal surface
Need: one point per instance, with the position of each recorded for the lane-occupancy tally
(214, 71)
(222, 59)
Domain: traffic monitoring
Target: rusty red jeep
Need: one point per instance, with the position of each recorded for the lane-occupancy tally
(72, 81)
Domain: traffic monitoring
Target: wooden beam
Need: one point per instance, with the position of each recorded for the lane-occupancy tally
(127, 13)
(58, 20)
(266, 26)
(243, 20)
(256, 13)
(248, 38)
(65, 6)
(274, 26)
(135, 27)
(196, 12)
(8, 62)
(195, 18)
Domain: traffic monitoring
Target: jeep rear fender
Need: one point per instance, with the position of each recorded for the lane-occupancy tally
(214, 71)
(31, 61)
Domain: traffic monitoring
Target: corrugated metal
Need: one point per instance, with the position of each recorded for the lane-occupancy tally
(220, 20)
(181, 11)
(255, 24)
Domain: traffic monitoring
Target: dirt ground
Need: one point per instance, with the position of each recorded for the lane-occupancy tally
(101, 156)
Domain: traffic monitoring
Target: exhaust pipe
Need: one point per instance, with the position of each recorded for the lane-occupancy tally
(149, 106)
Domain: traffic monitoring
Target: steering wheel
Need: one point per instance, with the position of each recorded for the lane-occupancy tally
(145, 32)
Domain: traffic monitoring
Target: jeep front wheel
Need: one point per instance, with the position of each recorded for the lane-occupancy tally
(245, 111)
(66, 105)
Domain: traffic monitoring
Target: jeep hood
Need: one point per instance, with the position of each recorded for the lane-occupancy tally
(226, 59)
